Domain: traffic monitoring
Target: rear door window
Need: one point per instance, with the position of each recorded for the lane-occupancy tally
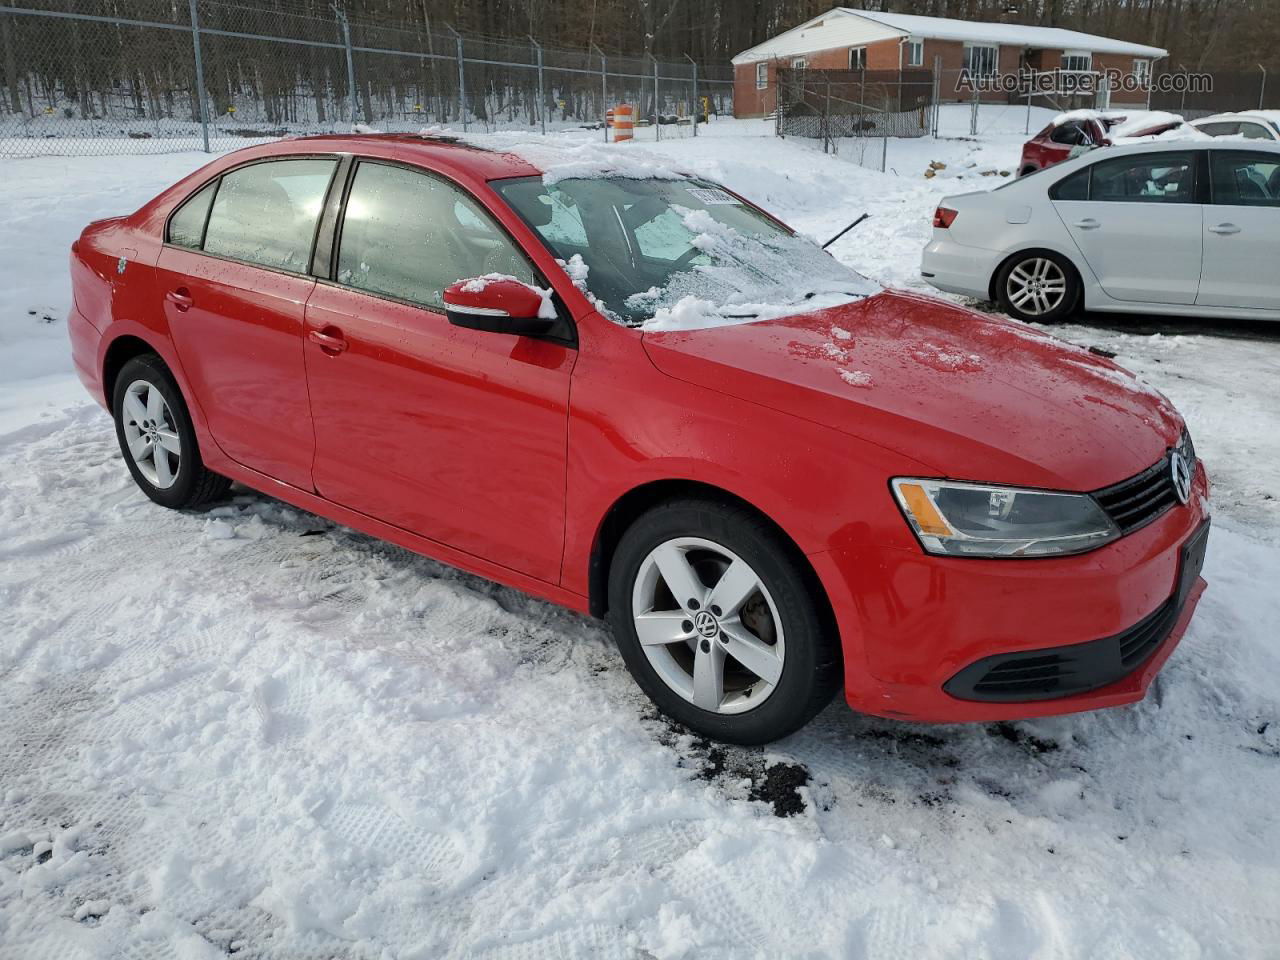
(1245, 179)
(1145, 178)
(266, 213)
(1255, 131)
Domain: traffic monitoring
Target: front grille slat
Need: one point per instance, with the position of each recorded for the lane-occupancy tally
(1132, 504)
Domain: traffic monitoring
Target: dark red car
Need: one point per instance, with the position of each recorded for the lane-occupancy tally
(953, 515)
(1084, 130)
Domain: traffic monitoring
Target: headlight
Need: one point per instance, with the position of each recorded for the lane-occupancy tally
(972, 520)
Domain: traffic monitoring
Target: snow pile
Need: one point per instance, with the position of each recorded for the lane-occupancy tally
(747, 277)
(578, 158)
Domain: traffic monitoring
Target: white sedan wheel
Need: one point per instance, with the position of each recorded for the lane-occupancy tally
(1036, 286)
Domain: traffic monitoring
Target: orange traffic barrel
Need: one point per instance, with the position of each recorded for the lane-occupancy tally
(608, 117)
(623, 122)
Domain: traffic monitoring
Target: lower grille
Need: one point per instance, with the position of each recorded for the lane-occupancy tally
(1081, 667)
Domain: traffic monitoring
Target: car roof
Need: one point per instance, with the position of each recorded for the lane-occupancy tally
(1175, 143)
(1271, 115)
(445, 153)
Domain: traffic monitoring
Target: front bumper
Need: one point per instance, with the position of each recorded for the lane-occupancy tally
(955, 268)
(912, 623)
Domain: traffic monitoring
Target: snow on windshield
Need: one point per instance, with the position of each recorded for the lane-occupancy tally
(739, 276)
(674, 253)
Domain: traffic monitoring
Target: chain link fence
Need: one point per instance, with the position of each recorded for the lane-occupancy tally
(1181, 91)
(831, 105)
(217, 74)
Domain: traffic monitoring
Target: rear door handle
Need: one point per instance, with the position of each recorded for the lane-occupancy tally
(1087, 224)
(330, 340)
(180, 298)
(1225, 228)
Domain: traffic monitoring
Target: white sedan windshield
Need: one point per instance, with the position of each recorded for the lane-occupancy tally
(679, 254)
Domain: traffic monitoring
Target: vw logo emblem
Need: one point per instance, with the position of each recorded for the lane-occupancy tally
(1180, 472)
(706, 624)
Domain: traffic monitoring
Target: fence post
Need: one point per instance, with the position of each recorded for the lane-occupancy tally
(826, 114)
(657, 114)
(351, 66)
(937, 94)
(604, 92)
(695, 92)
(1263, 92)
(1027, 131)
(542, 97)
(462, 79)
(204, 109)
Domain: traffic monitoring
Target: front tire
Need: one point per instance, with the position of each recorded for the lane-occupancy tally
(1038, 286)
(721, 623)
(157, 439)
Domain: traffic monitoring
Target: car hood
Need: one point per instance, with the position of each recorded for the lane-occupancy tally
(975, 397)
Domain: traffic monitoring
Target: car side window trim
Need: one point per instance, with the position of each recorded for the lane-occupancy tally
(217, 181)
(333, 240)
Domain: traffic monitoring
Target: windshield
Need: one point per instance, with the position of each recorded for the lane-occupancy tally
(678, 253)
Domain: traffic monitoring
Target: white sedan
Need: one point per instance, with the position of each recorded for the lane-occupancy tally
(1175, 227)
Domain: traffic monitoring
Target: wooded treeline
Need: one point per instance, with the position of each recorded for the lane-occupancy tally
(81, 69)
(1224, 34)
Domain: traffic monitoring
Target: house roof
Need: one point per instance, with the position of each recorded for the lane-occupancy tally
(846, 26)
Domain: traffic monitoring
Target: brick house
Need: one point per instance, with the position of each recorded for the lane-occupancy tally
(844, 38)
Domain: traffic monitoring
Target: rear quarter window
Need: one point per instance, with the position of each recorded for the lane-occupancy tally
(186, 226)
(1074, 187)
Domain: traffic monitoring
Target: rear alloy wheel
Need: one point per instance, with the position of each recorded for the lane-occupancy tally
(1039, 287)
(721, 623)
(157, 438)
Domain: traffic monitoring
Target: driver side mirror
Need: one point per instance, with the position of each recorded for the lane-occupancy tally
(499, 304)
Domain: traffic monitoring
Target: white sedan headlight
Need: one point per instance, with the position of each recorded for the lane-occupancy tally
(972, 520)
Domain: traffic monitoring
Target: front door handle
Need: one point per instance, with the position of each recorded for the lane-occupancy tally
(180, 298)
(1224, 229)
(1087, 224)
(330, 340)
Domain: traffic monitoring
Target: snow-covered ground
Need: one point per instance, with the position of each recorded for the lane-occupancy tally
(249, 732)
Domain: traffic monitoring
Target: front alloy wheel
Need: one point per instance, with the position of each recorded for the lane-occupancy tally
(722, 622)
(707, 625)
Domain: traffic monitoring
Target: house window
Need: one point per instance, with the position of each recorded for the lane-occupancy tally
(858, 58)
(914, 53)
(762, 76)
(981, 60)
(1142, 71)
(799, 63)
(1077, 61)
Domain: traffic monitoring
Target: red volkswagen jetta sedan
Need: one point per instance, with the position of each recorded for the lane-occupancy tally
(638, 395)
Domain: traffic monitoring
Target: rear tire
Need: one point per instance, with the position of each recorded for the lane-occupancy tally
(157, 439)
(720, 593)
(1038, 286)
